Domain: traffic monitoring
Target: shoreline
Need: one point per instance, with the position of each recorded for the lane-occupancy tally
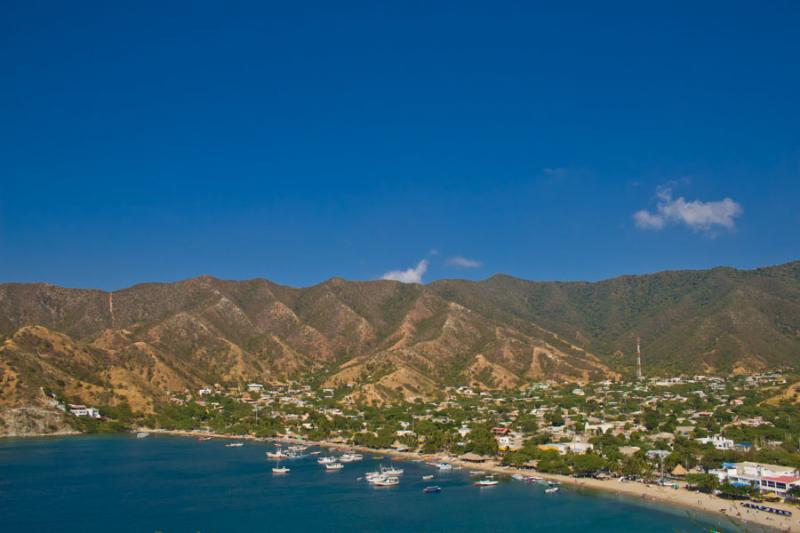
(635, 492)
(64, 433)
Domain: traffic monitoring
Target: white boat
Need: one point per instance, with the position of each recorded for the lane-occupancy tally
(428, 477)
(350, 457)
(142, 435)
(518, 477)
(280, 470)
(326, 460)
(551, 490)
(386, 481)
(392, 471)
(277, 454)
(298, 448)
(486, 483)
(334, 466)
(234, 445)
(444, 466)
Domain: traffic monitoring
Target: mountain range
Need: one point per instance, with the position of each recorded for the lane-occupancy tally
(386, 339)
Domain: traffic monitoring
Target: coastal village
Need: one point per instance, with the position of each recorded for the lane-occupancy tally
(737, 437)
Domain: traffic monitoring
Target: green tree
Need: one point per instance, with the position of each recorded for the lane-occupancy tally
(587, 464)
(703, 482)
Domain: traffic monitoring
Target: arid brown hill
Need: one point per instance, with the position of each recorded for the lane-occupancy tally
(389, 338)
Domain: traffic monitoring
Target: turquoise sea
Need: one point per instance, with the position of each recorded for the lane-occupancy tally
(173, 484)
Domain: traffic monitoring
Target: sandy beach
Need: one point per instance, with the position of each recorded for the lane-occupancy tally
(738, 516)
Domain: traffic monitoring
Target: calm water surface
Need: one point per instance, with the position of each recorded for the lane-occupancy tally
(172, 484)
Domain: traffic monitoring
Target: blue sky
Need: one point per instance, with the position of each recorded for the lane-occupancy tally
(301, 141)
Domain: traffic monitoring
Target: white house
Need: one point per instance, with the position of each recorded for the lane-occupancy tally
(579, 448)
(719, 442)
(82, 410)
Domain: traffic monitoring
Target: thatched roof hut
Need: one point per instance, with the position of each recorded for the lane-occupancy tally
(472, 458)
(679, 471)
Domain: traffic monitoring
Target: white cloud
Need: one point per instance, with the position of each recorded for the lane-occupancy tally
(697, 215)
(463, 262)
(412, 275)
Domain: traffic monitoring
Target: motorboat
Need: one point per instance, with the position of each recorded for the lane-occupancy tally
(386, 481)
(326, 460)
(234, 445)
(428, 477)
(277, 454)
(486, 483)
(432, 490)
(333, 466)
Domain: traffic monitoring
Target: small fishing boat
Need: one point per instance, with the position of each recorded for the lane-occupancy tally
(234, 445)
(486, 483)
(518, 477)
(386, 481)
(428, 477)
(552, 487)
(444, 466)
(280, 470)
(142, 435)
(326, 460)
(333, 466)
(350, 457)
(203, 439)
(316, 452)
(432, 490)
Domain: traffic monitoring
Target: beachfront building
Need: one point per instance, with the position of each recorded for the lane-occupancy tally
(765, 477)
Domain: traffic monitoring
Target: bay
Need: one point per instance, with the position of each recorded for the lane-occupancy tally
(173, 484)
